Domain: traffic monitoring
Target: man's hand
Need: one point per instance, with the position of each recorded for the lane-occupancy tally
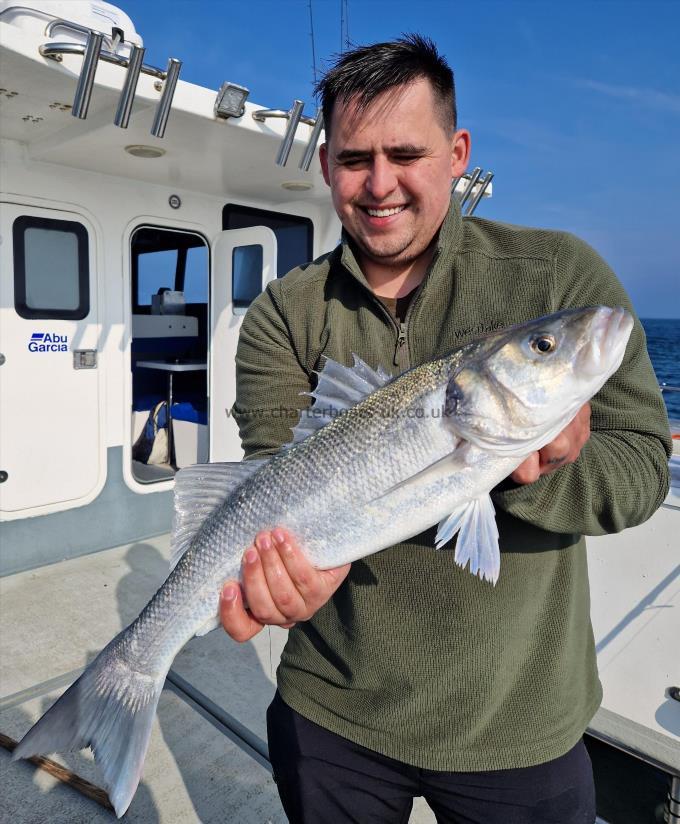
(565, 449)
(279, 586)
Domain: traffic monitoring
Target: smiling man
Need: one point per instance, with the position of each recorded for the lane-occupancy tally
(405, 675)
(389, 164)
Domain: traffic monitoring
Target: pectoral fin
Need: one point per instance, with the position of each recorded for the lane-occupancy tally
(475, 523)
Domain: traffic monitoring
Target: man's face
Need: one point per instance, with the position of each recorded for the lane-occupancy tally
(390, 169)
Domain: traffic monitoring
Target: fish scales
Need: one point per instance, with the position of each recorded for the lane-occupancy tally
(424, 448)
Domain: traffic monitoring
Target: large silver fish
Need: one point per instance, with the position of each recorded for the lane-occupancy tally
(395, 457)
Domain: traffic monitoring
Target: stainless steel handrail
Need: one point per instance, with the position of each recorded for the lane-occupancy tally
(306, 160)
(55, 50)
(81, 100)
(294, 116)
(483, 186)
(163, 111)
(127, 96)
(289, 136)
(476, 172)
(262, 114)
(69, 25)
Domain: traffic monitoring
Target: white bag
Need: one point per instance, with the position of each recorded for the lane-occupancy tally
(151, 447)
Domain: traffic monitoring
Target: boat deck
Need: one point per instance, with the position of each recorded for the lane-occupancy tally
(207, 758)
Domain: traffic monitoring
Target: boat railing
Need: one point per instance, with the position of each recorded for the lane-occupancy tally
(93, 51)
(295, 117)
(471, 185)
(112, 47)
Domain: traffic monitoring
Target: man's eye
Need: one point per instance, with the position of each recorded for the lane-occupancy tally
(406, 159)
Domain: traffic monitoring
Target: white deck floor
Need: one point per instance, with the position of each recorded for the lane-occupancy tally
(54, 620)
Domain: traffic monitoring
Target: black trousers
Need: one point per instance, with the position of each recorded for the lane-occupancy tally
(323, 778)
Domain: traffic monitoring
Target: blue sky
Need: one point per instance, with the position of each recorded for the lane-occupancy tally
(574, 106)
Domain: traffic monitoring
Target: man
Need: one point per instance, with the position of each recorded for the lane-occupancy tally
(406, 675)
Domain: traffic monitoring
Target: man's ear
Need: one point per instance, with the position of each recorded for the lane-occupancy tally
(323, 159)
(460, 152)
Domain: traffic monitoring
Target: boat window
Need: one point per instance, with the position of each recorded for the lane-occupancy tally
(166, 260)
(195, 280)
(294, 234)
(246, 267)
(51, 268)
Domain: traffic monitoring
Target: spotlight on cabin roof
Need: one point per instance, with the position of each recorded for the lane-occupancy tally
(230, 100)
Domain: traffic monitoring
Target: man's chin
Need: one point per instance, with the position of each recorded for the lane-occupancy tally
(389, 256)
(384, 250)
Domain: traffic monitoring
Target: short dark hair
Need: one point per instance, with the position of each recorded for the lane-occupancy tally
(367, 71)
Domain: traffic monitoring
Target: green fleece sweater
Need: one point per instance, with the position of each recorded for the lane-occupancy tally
(414, 657)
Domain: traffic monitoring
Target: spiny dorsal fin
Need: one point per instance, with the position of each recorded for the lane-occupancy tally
(199, 490)
(338, 388)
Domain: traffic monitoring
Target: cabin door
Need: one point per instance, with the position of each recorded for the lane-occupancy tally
(51, 450)
(243, 262)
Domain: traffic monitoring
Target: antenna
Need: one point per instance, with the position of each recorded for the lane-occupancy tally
(311, 34)
(344, 25)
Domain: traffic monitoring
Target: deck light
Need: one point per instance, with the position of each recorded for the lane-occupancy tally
(231, 100)
(139, 150)
(297, 185)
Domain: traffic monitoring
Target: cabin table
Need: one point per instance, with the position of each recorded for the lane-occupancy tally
(171, 367)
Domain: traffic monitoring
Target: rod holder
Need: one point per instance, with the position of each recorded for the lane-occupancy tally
(307, 157)
(160, 120)
(474, 177)
(483, 186)
(294, 116)
(81, 101)
(127, 96)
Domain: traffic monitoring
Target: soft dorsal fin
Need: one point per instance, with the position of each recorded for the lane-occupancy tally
(199, 490)
(338, 388)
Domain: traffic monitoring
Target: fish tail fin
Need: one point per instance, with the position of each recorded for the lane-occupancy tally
(110, 708)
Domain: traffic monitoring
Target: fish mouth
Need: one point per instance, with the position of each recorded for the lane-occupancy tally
(608, 335)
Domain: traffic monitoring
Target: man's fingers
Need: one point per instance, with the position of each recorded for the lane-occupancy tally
(286, 597)
(315, 586)
(568, 444)
(556, 453)
(528, 471)
(236, 620)
(256, 587)
(279, 585)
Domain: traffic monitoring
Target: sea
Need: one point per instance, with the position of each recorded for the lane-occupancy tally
(663, 345)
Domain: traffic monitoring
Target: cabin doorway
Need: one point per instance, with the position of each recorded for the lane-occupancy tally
(169, 351)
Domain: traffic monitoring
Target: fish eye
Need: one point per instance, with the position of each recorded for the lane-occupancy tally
(543, 344)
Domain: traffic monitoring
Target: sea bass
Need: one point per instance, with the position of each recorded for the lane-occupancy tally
(375, 461)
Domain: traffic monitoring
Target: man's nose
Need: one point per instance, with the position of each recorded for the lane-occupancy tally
(382, 179)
